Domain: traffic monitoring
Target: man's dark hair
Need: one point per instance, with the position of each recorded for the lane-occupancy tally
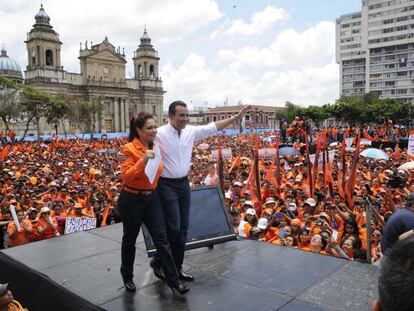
(396, 280)
(172, 109)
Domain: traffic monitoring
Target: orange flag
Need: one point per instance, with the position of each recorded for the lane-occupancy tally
(367, 136)
(350, 184)
(5, 152)
(105, 215)
(397, 152)
(235, 163)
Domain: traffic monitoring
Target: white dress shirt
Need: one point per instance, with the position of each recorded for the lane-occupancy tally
(176, 150)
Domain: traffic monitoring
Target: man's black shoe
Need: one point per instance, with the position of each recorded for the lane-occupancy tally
(130, 286)
(184, 276)
(157, 271)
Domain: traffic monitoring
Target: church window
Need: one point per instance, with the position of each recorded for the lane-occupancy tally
(151, 68)
(49, 58)
(154, 110)
(140, 71)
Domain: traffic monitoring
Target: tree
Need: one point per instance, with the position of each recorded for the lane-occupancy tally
(86, 114)
(57, 111)
(33, 106)
(9, 101)
(316, 113)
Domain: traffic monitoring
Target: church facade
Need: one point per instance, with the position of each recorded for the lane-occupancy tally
(102, 76)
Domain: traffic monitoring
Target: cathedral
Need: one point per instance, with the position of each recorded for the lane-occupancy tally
(102, 75)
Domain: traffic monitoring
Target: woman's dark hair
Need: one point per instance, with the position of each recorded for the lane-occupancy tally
(138, 122)
(172, 109)
(353, 223)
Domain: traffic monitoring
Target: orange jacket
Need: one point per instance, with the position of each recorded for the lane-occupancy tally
(133, 168)
(19, 237)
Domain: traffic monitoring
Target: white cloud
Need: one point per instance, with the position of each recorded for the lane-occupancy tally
(291, 49)
(195, 82)
(259, 23)
(122, 21)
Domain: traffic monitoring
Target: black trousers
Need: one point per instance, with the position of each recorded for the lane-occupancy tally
(175, 195)
(135, 210)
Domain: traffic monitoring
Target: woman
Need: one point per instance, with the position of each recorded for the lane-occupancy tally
(46, 226)
(139, 203)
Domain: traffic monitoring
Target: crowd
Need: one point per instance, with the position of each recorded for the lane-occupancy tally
(47, 182)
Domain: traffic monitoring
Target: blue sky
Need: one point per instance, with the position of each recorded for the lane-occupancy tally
(253, 51)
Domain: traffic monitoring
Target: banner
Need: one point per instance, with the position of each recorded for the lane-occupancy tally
(78, 224)
(320, 160)
(410, 150)
(267, 153)
(226, 153)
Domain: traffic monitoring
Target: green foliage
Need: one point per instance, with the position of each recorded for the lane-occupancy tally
(87, 113)
(9, 101)
(354, 110)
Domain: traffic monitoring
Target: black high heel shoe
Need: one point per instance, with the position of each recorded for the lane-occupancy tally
(130, 286)
(182, 289)
(157, 271)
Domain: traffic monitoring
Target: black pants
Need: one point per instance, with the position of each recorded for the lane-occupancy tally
(175, 195)
(135, 210)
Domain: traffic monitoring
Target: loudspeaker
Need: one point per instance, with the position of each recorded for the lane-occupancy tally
(210, 222)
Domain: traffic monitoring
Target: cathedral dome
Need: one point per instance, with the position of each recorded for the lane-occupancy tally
(8, 67)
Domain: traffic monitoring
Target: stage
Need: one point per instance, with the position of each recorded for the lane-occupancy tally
(81, 272)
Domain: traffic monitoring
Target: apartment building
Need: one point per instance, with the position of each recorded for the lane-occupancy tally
(375, 49)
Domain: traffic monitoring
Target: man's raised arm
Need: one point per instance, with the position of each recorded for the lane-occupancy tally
(226, 122)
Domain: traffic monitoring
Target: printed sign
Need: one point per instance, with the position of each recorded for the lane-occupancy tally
(78, 224)
(227, 154)
(320, 159)
(410, 150)
(267, 153)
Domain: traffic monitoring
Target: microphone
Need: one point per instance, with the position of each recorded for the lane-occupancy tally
(150, 145)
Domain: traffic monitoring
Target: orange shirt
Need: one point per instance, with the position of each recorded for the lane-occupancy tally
(133, 168)
(20, 237)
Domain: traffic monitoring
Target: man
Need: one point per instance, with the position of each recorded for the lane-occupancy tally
(400, 222)
(176, 141)
(396, 282)
(7, 301)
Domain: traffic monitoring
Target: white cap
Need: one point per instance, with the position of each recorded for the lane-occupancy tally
(269, 200)
(238, 183)
(262, 223)
(251, 211)
(227, 195)
(250, 203)
(310, 201)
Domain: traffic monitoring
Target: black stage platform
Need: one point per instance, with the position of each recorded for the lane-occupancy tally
(83, 270)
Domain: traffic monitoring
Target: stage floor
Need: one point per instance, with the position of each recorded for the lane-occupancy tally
(238, 275)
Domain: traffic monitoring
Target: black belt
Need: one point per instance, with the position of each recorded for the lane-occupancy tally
(137, 191)
(175, 179)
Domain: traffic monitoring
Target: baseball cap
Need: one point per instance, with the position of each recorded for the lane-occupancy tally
(238, 183)
(262, 223)
(269, 200)
(310, 201)
(251, 211)
(3, 288)
(250, 203)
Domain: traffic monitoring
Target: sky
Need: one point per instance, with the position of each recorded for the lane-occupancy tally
(258, 52)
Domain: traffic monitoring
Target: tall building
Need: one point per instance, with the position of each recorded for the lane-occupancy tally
(102, 76)
(375, 49)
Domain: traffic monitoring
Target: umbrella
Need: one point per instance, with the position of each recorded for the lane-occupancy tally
(288, 151)
(374, 154)
(407, 166)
